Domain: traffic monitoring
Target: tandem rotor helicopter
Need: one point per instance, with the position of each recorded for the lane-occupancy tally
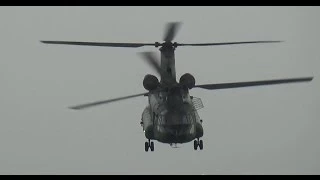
(171, 115)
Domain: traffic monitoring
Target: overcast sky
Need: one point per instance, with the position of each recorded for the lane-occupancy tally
(257, 130)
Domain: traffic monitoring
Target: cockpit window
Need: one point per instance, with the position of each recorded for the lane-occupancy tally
(190, 118)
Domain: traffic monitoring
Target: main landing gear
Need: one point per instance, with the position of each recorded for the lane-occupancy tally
(148, 145)
(198, 143)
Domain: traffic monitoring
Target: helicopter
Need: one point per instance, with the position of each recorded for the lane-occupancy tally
(171, 115)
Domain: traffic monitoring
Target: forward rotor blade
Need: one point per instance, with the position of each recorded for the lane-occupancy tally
(225, 43)
(253, 83)
(171, 31)
(87, 105)
(108, 44)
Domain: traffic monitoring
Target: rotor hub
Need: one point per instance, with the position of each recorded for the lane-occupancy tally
(166, 44)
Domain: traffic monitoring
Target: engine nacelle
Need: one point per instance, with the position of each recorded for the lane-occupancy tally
(187, 80)
(150, 82)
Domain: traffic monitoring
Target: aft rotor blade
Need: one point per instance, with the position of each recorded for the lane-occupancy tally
(151, 59)
(171, 31)
(253, 83)
(107, 44)
(87, 105)
(225, 43)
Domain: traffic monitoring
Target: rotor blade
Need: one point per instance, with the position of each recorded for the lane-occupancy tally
(225, 43)
(252, 83)
(108, 44)
(150, 58)
(87, 105)
(171, 30)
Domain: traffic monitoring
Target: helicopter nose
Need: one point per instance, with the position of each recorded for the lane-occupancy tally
(178, 131)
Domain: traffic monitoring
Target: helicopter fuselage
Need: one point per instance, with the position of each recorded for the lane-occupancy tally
(171, 117)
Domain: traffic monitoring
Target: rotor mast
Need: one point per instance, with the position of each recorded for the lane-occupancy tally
(168, 59)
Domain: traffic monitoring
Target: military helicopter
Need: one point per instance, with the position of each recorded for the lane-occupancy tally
(171, 115)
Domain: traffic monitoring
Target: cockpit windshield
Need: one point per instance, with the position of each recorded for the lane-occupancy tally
(176, 119)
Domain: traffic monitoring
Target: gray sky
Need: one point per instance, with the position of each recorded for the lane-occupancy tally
(259, 130)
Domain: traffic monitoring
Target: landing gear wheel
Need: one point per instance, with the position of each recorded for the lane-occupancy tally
(146, 146)
(201, 144)
(152, 146)
(195, 144)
